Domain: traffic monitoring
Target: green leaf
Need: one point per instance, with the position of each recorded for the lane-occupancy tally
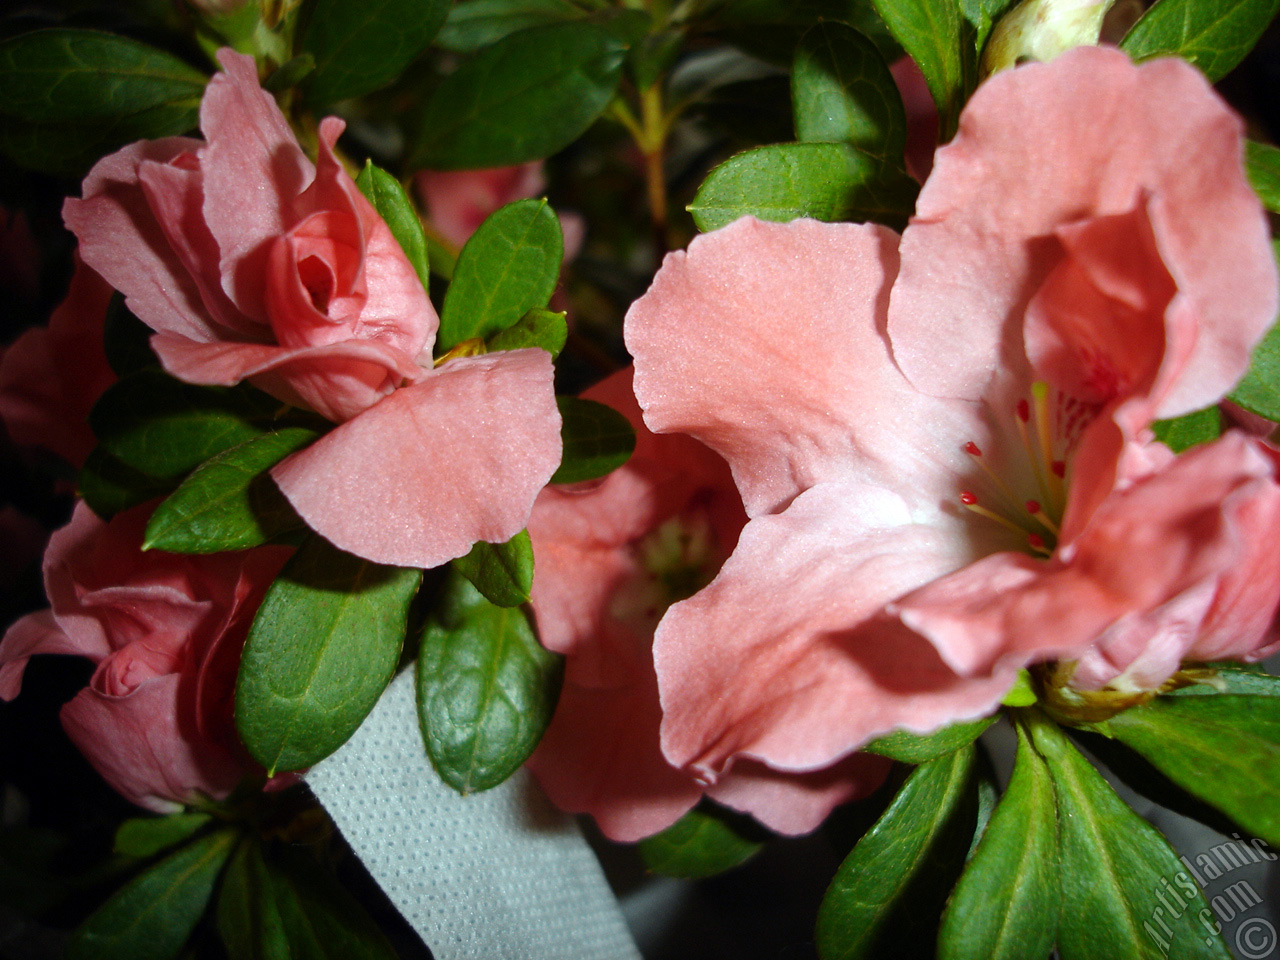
(394, 206)
(1213, 34)
(486, 689)
(1232, 678)
(361, 45)
(1259, 391)
(597, 439)
(926, 829)
(1182, 433)
(1237, 737)
(66, 76)
(523, 98)
(510, 265)
(544, 329)
(826, 181)
(772, 28)
(126, 340)
(144, 837)
(321, 650)
(229, 502)
(1114, 868)
(930, 32)
(151, 916)
(249, 921)
(704, 842)
(321, 920)
(1262, 164)
(109, 486)
(916, 748)
(473, 24)
(1015, 866)
(842, 91)
(502, 572)
(165, 428)
(70, 149)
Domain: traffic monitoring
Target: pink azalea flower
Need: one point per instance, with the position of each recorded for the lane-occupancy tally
(50, 377)
(610, 558)
(251, 263)
(165, 632)
(943, 444)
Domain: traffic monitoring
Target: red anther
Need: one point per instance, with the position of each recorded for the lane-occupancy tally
(1059, 468)
(972, 450)
(1035, 541)
(1024, 411)
(1033, 506)
(967, 498)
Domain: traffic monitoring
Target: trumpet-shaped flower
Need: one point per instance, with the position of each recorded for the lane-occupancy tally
(252, 263)
(944, 442)
(611, 556)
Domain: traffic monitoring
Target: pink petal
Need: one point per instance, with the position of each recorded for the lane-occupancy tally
(123, 241)
(787, 656)
(765, 341)
(253, 171)
(797, 803)
(459, 201)
(139, 745)
(35, 633)
(422, 475)
(600, 756)
(1046, 145)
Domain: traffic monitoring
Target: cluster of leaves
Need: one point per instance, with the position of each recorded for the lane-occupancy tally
(496, 82)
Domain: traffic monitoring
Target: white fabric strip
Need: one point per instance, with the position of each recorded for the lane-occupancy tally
(499, 875)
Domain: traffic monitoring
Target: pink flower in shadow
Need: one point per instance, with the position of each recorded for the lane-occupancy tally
(944, 443)
(611, 556)
(166, 633)
(252, 263)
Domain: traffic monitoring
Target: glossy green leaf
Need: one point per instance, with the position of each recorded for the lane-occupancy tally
(323, 647)
(704, 842)
(321, 920)
(165, 428)
(152, 915)
(510, 265)
(394, 206)
(1016, 866)
(361, 45)
(925, 831)
(523, 98)
(544, 329)
(1182, 433)
(290, 74)
(921, 748)
(825, 181)
(84, 76)
(1262, 164)
(473, 24)
(486, 688)
(842, 92)
(502, 572)
(1114, 867)
(1213, 34)
(1235, 736)
(931, 32)
(1259, 391)
(597, 439)
(229, 502)
(146, 836)
(249, 921)
(772, 28)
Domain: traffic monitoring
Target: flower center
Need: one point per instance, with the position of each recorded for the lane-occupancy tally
(675, 561)
(1031, 508)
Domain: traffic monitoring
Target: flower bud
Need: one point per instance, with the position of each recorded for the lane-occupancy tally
(1042, 29)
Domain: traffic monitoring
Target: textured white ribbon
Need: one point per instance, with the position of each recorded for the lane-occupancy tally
(499, 875)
